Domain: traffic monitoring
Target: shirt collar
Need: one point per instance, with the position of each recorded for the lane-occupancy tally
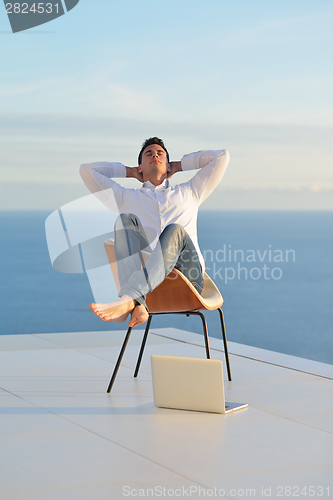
(161, 187)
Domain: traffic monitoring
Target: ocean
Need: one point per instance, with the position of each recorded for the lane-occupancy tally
(274, 270)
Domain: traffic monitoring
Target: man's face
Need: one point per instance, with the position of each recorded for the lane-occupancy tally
(154, 162)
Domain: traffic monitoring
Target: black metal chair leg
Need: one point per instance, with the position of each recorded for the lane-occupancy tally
(120, 357)
(204, 324)
(143, 345)
(144, 340)
(224, 337)
(205, 329)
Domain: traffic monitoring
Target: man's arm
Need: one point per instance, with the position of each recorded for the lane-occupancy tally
(98, 177)
(211, 165)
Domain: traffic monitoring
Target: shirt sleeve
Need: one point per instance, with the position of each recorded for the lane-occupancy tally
(212, 166)
(98, 179)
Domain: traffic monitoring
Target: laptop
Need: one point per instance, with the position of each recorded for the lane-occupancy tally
(190, 384)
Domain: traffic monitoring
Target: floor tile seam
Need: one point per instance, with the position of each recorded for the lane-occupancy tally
(240, 422)
(65, 488)
(308, 425)
(266, 471)
(84, 429)
(197, 345)
(36, 335)
(148, 374)
(220, 340)
(259, 383)
(27, 349)
(108, 484)
(103, 359)
(39, 337)
(326, 414)
(35, 404)
(290, 419)
(248, 357)
(39, 434)
(190, 343)
(72, 349)
(274, 469)
(94, 355)
(109, 361)
(118, 346)
(121, 446)
(78, 349)
(275, 364)
(47, 412)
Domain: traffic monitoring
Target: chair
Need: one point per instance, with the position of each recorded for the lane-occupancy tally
(175, 295)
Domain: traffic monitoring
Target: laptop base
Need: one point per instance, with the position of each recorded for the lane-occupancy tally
(229, 407)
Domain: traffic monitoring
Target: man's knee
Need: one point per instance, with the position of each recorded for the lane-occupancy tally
(125, 221)
(175, 228)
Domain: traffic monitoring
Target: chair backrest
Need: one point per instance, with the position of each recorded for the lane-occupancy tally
(176, 293)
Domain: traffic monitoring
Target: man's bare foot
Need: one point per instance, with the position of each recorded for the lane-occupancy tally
(139, 315)
(114, 311)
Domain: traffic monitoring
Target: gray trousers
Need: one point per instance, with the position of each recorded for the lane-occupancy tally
(174, 249)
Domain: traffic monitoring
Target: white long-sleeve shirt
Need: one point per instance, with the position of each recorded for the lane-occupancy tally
(159, 206)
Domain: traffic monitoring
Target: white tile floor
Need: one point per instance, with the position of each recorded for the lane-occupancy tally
(63, 437)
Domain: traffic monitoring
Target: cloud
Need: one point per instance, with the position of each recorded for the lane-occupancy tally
(48, 148)
(22, 89)
(75, 125)
(48, 196)
(307, 27)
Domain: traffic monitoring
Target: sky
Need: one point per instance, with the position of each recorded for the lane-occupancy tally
(254, 77)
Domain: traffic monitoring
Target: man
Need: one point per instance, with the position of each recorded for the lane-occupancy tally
(156, 217)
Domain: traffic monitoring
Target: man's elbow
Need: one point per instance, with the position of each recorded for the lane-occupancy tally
(225, 153)
(84, 169)
(224, 156)
(223, 159)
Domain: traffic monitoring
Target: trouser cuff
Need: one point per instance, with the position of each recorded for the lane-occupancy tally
(139, 300)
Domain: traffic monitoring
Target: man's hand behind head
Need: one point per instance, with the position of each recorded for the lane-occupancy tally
(134, 172)
(175, 166)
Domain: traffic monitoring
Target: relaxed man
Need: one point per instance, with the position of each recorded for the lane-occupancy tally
(156, 217)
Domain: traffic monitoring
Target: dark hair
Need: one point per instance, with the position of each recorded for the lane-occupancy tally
(148, 142)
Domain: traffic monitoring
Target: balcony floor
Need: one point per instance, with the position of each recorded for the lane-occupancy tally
(63, 437)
